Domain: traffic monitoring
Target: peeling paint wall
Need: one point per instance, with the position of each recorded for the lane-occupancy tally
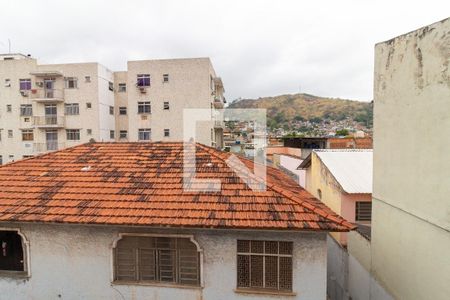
(411, 208)
(75, 262)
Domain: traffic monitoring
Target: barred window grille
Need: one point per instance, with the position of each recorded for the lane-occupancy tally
(363, 211)
(157, 259)
(264, 265)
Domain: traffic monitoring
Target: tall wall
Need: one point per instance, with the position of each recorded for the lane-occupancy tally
(75, 262)
(411, 208)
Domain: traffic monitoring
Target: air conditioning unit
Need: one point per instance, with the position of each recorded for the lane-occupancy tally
(143, 117)
(40, 84)
(24, 93)
(142, 89)
(33, 91)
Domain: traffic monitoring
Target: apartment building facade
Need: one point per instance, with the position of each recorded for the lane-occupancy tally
(49, 107)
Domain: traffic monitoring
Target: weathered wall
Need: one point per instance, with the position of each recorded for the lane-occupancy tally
(411, 213)
(75, 262)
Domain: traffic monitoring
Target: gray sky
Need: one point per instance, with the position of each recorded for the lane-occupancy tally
(259, 48)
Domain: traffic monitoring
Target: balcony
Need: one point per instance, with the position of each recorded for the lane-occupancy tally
(49, 121)
(47, 146)
(219, 124)
(218, 102)
(47, 95)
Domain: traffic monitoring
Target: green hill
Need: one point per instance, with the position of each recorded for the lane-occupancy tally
(304, 107)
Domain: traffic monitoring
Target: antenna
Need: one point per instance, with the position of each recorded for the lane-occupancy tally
(9, 46)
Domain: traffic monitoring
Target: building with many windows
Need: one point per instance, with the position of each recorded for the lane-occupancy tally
(54, 106)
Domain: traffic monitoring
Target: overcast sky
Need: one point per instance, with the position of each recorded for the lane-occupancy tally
(259, 48)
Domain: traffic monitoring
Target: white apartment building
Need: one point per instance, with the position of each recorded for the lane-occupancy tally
(49, 107)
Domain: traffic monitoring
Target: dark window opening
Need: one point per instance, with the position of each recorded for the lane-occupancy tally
(11, 251)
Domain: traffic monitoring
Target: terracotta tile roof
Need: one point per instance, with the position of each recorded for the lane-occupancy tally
(141, 184)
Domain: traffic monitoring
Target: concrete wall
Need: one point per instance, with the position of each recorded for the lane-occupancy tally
(75, 262)
(411, 214)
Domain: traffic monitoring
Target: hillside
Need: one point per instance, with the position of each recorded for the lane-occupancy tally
(284, 109)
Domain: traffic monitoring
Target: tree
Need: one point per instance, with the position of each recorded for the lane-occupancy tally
(342, 132)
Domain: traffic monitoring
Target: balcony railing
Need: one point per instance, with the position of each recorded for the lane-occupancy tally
(49, 121)
(48, 146)
(218, 102)
(47, 95)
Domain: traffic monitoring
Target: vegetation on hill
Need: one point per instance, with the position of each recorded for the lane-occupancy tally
(284, 109)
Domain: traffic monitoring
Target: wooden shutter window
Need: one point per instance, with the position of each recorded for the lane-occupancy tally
(157, 259)
(264, 265)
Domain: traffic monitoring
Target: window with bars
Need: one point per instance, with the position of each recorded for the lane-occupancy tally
(264, 265)
(144, 107)
(26, 109)
(27, 135)
(363, 211)
(157, 259)
(72, 109)
(73, 134)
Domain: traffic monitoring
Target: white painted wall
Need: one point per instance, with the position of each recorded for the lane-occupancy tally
(74, 262)
(411, 211)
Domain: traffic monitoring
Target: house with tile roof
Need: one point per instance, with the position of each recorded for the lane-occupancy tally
(121, 221)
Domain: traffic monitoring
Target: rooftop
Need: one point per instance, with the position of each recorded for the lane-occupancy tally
(352, 168)
(142, 184)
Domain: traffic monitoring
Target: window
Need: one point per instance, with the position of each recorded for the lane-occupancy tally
(11, 157)
(7, 82)
(363, 211)
(144, 107)
(165, 77)
(25, 84)
(73, 134)
(264, 265)
(122, 87)
(166, 132)
(72, 108)
(8, 107)
(1, 160)
(122, 110)
(88, 105)
(27, 156)
(87, 78)
(26, 119)
(10, 133)
(143, 80)
(26, 110)
(89, 131)
(12, 254)
(110, 86)
(123, 134)
(157, 259)
(166, 105)
(71, 82)
(144, 134)
(111, 134)
(111, 110)
(27, 135)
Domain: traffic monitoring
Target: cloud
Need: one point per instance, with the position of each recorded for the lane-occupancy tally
(259, 48)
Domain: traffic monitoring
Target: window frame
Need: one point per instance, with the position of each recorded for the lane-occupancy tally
(123, 110)
(166, 105)
(67, 81)
(29, 134)
(264, 254)
(122, 87)
(121, 136)
(112, 134)
(71, 109)
(358, 209)
(141, 80)
(166, 132)
(166, 78)
(73, 132)
(157, 283)
(26, 82)
(144, 105)
(26, 273)
(144, 130)
(26, 110)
